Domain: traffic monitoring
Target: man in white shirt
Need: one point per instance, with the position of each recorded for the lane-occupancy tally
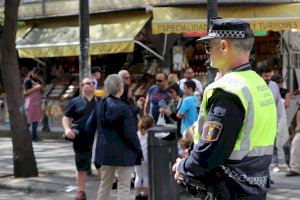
(189, 76)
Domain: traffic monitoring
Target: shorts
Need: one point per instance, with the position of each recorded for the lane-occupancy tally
(83, 160)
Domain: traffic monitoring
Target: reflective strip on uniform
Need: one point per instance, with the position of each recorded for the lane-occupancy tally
(256, 151)
(245, 144)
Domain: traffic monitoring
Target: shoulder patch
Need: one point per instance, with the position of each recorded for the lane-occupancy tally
(211, 131)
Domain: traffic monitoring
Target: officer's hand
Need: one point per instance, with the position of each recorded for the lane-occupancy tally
(178, 177)
(69, 133)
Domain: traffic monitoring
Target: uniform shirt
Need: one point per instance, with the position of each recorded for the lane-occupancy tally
(199, 86)
(208, 155)
(188, 109)
(206, 158)
(155, 95)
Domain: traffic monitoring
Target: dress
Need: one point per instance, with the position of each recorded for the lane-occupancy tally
(141, 171)
(33, 101)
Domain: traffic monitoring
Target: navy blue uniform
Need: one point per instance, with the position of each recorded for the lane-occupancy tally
(209, 161)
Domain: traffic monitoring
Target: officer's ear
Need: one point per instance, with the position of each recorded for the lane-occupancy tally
(224, 46)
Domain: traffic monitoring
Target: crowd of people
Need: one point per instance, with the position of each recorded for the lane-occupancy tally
(223, 132)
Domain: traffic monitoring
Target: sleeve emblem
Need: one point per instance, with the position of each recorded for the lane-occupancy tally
(211, 131)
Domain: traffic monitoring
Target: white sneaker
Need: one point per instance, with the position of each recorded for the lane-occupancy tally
(276, 169)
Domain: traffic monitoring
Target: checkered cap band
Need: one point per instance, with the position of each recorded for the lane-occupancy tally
(227, 34)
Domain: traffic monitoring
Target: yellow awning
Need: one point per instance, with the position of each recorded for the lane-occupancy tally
(109, 33)
(22, 31)
(261, 17)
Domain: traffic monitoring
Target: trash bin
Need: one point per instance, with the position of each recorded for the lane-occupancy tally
(162, 154)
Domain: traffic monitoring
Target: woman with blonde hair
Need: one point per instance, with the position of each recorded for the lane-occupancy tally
(173, 78)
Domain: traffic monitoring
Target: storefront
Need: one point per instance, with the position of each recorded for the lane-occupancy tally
(269, 23)
(116, 40)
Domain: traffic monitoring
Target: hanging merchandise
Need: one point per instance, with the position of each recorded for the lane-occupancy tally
(177, 57)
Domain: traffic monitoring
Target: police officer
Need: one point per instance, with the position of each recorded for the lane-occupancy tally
(237, 122)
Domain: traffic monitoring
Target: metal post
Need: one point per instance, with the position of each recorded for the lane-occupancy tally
(84, 39)
(212, 11)
(43, 8)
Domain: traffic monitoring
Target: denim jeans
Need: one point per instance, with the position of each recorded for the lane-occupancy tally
(33, 127)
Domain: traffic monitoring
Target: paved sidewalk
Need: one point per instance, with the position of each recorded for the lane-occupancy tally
(55, 160)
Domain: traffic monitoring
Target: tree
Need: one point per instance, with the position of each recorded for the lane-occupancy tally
(23, 155)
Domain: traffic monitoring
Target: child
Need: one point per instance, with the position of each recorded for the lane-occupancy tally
(141, 171)
(186, 143)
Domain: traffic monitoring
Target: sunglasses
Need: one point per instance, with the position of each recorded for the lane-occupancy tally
(208, 46)
(159, 81)
(90, 83)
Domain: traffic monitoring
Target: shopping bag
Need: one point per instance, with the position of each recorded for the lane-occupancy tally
(161, 120)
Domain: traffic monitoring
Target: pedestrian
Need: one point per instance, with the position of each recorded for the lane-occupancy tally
(96, 75)
(188, 108)
(295, 149)
(155, 94)
(33, 88)
(172, 108)
(237, 122)
(173, 78)
(125, 76)
(295, 157)
(80, 111)
(266, 73)
(118, 147)
(284, 134)
(141, 171)
(189, 76)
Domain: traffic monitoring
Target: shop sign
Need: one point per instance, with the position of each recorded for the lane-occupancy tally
(179, 27)
(275, 25)
(185, 27)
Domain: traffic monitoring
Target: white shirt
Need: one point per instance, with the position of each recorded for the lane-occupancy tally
(199, 86)
(144, 144)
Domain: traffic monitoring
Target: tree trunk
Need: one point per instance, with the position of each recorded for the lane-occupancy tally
(23, 155)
